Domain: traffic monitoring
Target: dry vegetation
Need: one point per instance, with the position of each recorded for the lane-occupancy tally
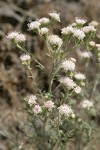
(14, 15)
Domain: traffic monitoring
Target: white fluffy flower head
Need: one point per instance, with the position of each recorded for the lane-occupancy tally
(94, 23)
(18, 37)
(66, 111)
(55, 40)
(98, 47)
(79, 34)
(49, 104)
(44, 31)
(34, 25)
(67, 82)
(24, 57)
(73, 59)
(87, 104)
(12, 35)
(88, 29)
(37, 109)
(80, 21)
(31, 99)
(92, 43)
(54, 15)
(44, 21)
(86, 54)
(68, 65)
(79, 76)
(77, 90)
(67, 30)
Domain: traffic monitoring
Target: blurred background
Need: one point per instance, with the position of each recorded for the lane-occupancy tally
(14, 15)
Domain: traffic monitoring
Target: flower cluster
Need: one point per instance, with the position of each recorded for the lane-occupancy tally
(80, 21)
(79, 76)
(18, 37)
(55, 41)
(25, 57)
(66, 111)
(68, 65)
(77, 30)
(31, 99)
(68, 81)
(87, 104)
(54, 15)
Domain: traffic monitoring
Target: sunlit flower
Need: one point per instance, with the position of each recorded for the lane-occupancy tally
(49, 104)
(69, 83)
(80, 21)
(12, 35)
(94, 23)
(88, 29)
(34, 25)
(79, 34)
(44, 21)
(54, 15)
(24, 57)
(55, 40)
(92, 43)
(67, 30)
(37, 109)
(85, 54)
(20, 38)
(79, 76)
(31, 99)
(77, 90)
(66, 111)
(98, 46)
(44, 31)
(68, 65)
(73, 59)
(87, 104)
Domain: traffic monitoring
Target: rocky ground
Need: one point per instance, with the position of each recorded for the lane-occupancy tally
(14, 15)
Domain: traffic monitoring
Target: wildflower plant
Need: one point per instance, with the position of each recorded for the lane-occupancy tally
(53, 113)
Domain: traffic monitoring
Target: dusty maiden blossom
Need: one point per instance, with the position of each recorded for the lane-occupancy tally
(79, 76)
(98, 46)
(68, 65)
(34, 25)
(31, 99)
(87, 104)
(69, 83)
(73, 59)
(55, 40)
(54, 15)
(12, 35)
(24, 57)
(49, 104)
(94, 23)
(44, 21)
(86, 54)
(67, 30)
(79, 34)
(66, 111)
(77, 90)
(92, 43)
(18, 37)
(44, 31)
(88, 29)
(80, 21)
(37, 109)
